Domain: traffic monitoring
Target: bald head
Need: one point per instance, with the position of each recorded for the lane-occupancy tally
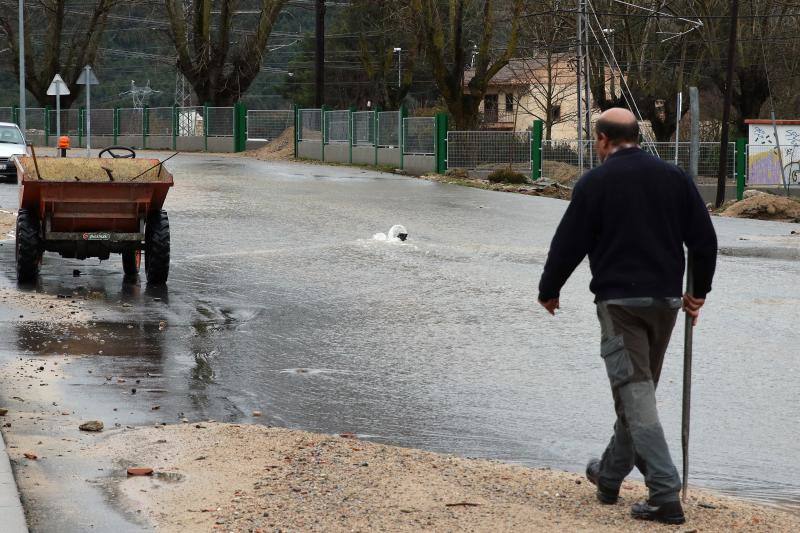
(618, 125)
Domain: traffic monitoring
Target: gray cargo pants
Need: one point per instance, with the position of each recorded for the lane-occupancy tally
(634, 338)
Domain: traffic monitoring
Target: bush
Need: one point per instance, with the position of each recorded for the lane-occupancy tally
(507, 175)
(458, 173)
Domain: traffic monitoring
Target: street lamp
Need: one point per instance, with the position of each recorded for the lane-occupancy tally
(399, 66)
(609, 32)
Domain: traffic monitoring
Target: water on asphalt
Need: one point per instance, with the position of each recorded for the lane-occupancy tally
(280, 300)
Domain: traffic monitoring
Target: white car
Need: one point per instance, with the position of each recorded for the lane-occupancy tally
(12, 143)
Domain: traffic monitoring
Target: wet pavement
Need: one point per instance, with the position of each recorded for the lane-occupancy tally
(279, 300)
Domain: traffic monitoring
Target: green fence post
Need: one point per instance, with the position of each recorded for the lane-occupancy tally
(81, 124)
(741, 166)
(536, 149)
(47, 125)
(115, 125)
(297, 130)
(440, 145)
(205, 127)
(239, 127)
(323, 127)
(376, 124)
(401, 141)
(175, 127)
(350, 133)
(145, 126)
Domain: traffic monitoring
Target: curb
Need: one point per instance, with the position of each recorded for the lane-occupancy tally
(12, 515)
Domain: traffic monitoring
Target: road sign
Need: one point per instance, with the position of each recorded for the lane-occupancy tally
(57, 87)
(87, 77)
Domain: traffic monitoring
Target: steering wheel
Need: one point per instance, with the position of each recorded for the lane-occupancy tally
(111, 150)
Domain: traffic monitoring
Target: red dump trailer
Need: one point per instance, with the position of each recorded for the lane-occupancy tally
(93, 207)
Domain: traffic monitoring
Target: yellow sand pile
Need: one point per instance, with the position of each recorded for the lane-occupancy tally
(84, 169)
(279, 149)
(765, 206)
(560, 172)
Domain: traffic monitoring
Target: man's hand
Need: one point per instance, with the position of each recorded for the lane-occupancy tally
(692, 305)
(551, 305)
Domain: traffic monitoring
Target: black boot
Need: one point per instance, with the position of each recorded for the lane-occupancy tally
(604, 494)
(667, 513)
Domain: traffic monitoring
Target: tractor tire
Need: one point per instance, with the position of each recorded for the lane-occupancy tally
(28, 246)
(131, 260)
(156, 248)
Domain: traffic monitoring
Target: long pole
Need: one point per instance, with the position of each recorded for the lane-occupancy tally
(399, 67)
(319, 67)
(587, 86)
(578, 69)
(86, 70)
(694, 159)
(678, 125)
(21, 35)
(58, 111)
(726, 109)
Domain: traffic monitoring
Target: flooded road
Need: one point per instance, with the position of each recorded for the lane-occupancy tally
(280, 300)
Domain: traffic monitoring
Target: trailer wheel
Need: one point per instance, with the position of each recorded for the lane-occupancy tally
(156, 253)
(28, 246)
(131, 260)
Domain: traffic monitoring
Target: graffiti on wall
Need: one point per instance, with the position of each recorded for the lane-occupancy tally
(764, 162)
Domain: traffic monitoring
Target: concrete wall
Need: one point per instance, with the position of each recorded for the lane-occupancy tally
(419, 164)
(337, 152)
(255, 144)
(310, 150)
(389, 156)
(159, 142)
(191, 144)
(364, 155)
(220, 144)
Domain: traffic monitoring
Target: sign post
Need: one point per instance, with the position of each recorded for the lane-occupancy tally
(88, 78)
(57, 88)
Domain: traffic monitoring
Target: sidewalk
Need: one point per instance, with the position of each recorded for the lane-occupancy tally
(12, 517)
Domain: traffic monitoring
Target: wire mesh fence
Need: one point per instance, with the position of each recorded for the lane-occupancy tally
(364, 127)
(337, 126)
(35, 119)
(486, 150)
(131, 121)
(190, 121)
(220, 122)
(419, 135)
(69, 121)
(159, 121)
(560, 159)
(310, 125)
(6, 114)
(764, 165)
(102, 121)
(268, 125)
(389, 129)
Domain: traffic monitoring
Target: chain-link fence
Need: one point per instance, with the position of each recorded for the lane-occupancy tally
(102, 121)
(6, 114)
(268, 125)
(159, 121)
(310, 125)
(419, 135)
(35, 119)
(364, 127)
(337, 126)
(560, 160)
(190, 121)
(389, 129)
(220, 122)
(487, 150)
(70, 119)
(131, 121)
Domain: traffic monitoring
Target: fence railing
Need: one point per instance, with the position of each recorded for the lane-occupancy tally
(268, 125)
(419, 135)
(310, 125)
(6, 114)
(364, 127)
(337, 126)
(389, 128)
(479, 150)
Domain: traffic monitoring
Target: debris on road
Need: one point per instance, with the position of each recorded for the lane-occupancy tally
(140, 471)
(30, 455)
(764, 206)
(92, 425)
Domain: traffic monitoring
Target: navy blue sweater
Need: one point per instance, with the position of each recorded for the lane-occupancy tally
(632, 215)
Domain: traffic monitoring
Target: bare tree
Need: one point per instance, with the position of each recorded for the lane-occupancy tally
(70, 41)
(219, 70)
(444, 30)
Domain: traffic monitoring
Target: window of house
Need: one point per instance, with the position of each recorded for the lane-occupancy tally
(555, 112)
(509, 103)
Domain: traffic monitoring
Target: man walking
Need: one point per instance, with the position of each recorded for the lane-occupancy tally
(632, 215)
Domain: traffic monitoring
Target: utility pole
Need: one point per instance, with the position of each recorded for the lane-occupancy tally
(319, 68)
(578, 69)
(21, 35)
(587, 87)
(726, 110)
